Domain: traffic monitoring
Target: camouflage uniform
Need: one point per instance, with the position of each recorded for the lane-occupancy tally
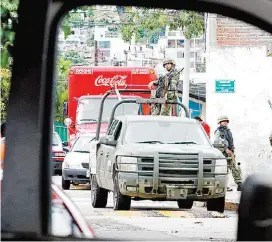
(166, 109)
(224, 135)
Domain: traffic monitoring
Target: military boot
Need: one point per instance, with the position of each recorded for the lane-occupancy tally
(239, 187)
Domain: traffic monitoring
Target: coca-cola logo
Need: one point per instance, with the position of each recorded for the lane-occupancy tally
(118, 80)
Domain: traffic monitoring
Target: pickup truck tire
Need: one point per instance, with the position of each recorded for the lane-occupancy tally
(65, 184)
(185, 204)
(99, 196)
(216, 204)
(120, 202)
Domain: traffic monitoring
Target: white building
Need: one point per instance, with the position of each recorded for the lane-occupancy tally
(172, 45)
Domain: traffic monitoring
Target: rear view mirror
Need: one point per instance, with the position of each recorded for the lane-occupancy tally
(255, 209)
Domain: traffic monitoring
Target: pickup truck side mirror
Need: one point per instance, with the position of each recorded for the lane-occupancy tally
(108, 140)
(255, 208)
(218, 146)
(65, 143)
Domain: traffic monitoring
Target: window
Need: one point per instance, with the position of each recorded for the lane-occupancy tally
(56, 140)
(104, 44)
(171, 43)
(171, 33)
(111, 34)
(180, 54)
(88, 110)
(112, 127)
(192, 54)
(82, 144)
(118, 131)
(104, 53)
(180, 43)
(165, 132)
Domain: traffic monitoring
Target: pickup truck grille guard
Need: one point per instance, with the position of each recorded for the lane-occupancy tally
(172, 167)
(175, 162)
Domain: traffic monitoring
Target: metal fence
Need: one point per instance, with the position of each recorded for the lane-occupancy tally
(61, 129)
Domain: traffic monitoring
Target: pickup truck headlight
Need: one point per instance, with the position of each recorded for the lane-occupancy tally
(127, 163)
(221, 166)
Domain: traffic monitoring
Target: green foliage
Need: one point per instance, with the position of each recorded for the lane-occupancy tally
(63, 67)
(5, 87)
(74, 58)
(192, 23)
(76, 17)
(8, 24)
(147, 23)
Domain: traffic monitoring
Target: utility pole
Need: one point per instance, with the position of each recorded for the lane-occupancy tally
(186, 81)
(95, 53)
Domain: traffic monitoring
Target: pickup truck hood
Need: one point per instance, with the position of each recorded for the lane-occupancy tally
(145, 149)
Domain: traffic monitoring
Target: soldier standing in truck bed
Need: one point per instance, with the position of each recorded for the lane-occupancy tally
(169, 83)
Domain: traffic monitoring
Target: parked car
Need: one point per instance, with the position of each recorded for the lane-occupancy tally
(58, 153)
(75, 167)
(66, 218)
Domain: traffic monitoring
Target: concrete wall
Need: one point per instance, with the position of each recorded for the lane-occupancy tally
(248, 109)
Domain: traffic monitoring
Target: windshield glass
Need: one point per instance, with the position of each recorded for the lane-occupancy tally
(88, 109)
(165, 132)
(82, 144)
(56, 140)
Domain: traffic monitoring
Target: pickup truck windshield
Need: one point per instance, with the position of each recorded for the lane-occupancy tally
(180, 133)
(88, 109)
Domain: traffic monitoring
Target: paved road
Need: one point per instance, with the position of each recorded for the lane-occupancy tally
(156, 221)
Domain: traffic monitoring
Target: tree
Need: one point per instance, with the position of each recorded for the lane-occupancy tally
(74, 17)
(5, 87)
(142, 23)
(63, 68)
(9, 21)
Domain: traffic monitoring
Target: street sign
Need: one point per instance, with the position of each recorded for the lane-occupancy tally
(225, 86)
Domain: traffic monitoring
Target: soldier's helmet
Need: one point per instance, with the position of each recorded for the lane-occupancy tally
(167, 61)
(222, 118)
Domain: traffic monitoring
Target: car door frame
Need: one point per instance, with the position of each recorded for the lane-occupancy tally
(101, 168)
(111, 151)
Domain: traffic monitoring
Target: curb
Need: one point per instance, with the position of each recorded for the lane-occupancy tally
(229, 206)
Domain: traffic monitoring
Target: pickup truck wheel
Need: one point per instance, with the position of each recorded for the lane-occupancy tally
(120, 202)
(216, 204)
(65, 184)
(99, 196)
(186, 204)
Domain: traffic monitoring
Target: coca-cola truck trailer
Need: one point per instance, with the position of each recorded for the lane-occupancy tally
(87, 85)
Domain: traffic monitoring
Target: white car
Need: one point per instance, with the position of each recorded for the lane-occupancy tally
(75, 167)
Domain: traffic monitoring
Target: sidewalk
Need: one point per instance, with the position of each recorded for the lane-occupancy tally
(232, 199)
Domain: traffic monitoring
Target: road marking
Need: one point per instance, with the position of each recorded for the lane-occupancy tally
(125, 213)
(149, 213)
(175, 214)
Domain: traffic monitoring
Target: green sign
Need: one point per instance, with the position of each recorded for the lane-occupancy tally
(224, 86)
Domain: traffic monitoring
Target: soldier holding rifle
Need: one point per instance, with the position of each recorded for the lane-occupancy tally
(166, 87)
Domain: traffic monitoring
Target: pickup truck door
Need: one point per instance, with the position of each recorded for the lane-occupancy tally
(105, 151)
(110, 156)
